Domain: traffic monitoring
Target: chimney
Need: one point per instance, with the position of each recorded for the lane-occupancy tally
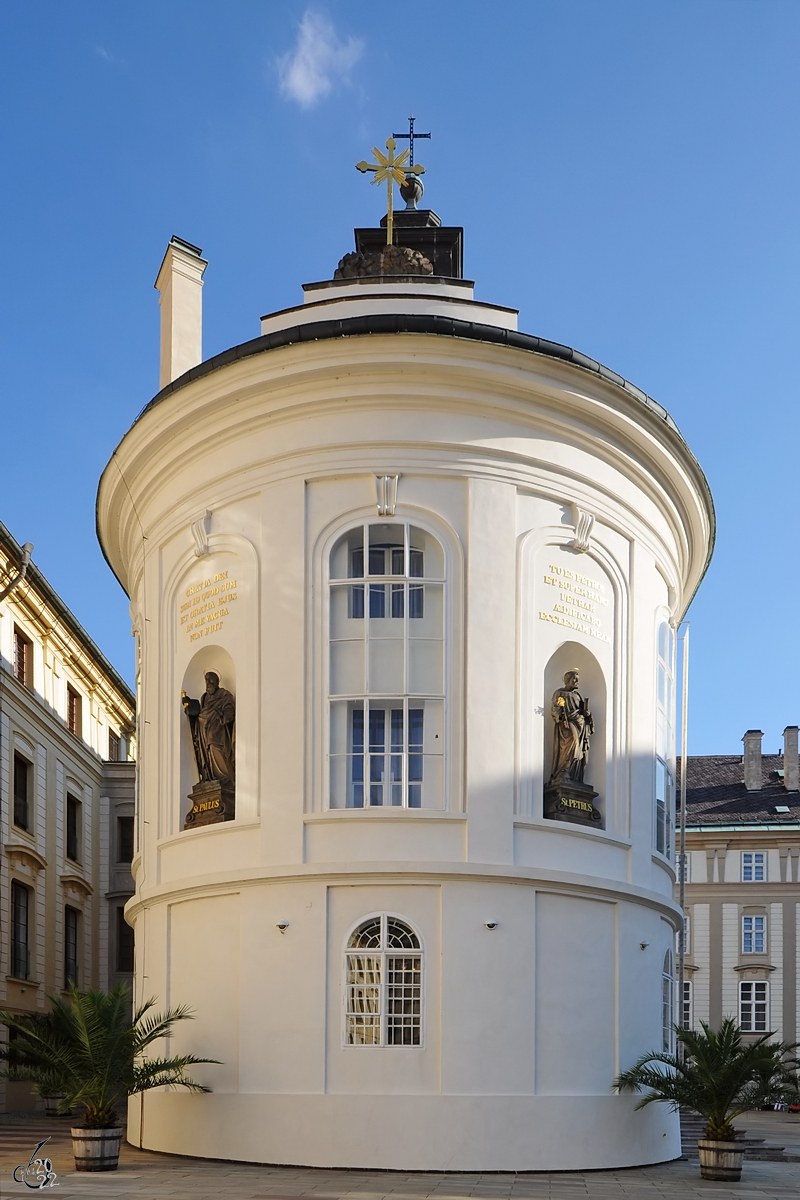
(180, 282)
(791, 766)
(752, 760)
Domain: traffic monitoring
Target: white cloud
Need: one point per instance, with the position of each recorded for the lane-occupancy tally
(317, 61)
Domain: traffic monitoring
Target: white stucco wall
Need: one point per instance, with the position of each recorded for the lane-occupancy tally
(525, 1025)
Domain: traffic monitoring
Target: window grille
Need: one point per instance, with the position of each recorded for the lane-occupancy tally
(384, 984)
(754, 1006)
(386, 668)
(687, 1013)
(73, 828)
(113, 746)
(22, 772)
(124, 943)
(754, 867)
(124, 839)
(74, 713)
(754, 935)
(20, 954)
(23, 657)
(667, 1004)
(70, 947)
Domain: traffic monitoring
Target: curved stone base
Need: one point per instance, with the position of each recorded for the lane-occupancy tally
(410, 1133)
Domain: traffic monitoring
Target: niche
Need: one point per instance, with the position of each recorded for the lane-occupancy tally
(207, 797)
(570, 800)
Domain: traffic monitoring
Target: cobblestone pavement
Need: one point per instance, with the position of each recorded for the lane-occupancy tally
(143, 1174)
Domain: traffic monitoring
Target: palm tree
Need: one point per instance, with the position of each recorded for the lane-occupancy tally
(718, 1075)
(90, 1051)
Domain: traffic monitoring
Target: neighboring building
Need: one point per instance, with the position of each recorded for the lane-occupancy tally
(66, 802)
(390, 525)
(743, 888)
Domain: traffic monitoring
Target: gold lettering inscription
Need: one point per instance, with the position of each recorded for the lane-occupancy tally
(208, 602)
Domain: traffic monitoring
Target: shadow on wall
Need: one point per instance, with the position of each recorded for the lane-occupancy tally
(573, 656)
(210, 658)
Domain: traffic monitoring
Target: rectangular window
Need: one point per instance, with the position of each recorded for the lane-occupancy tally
(663, 813)
(113, 746)
(686, 868)
(22, 781)
(754, 935)
(70, 947)
(753, 1007)
(20, 955)
(74, 713)
(387, 753)
(124, 943)
(687, 934)
(23, 657)
(402, 1002)
(124, 839)
(73, 828)
(754, 867)
(687, 1016)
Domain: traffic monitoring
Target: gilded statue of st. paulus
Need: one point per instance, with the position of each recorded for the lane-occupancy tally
(212, 721)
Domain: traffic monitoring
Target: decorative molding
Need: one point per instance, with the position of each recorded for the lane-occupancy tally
(200, 531)
(22, 855)
(386, 486)
(584, 523)
(77, 885)
(757, 969)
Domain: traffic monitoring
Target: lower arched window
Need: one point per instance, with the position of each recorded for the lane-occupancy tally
(384, 984)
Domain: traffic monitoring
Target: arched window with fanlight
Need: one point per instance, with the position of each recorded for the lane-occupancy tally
(383, 971)
(667, 1004)
(386, 668)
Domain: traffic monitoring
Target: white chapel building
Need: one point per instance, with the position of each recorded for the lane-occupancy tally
(363, 551)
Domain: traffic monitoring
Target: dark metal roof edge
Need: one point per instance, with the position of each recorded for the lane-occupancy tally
(385, 323)
(35, 576)
(424, 323)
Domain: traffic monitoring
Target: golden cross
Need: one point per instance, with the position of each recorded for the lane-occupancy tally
(392, 171)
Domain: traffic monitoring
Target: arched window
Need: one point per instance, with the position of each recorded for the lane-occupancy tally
(386, 668)
(384, 984)
(667, 1004)
(665, 740)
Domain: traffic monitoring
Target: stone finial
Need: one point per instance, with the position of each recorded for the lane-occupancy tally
(752, 760)
(389, 260)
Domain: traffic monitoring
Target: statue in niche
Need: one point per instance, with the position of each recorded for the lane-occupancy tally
(568, 797)
(212, 721)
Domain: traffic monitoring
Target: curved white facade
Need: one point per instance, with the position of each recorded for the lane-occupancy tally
(392, 738)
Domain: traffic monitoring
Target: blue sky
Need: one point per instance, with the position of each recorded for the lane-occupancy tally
(626, 173)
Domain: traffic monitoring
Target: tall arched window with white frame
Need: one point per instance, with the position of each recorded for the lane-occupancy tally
(667, 1004)
(383, 1003)
(387, 668)
(665, 740)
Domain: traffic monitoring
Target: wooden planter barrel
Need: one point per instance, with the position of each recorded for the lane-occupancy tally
(96, 1149)
(721, 1161)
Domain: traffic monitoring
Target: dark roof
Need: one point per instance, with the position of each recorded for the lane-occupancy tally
(382, 323)
(716, 795)
(35, 577)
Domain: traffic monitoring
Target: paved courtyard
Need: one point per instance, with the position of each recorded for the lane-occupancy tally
(143, 1174)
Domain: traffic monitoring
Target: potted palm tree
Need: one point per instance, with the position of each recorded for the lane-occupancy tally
(90, 1051)
(720, 1076)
